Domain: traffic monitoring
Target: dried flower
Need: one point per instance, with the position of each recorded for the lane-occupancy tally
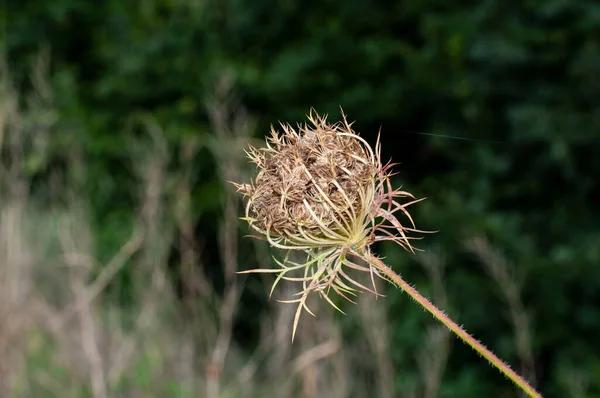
(324, 191)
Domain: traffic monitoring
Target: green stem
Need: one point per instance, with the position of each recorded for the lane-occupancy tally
(459, 331)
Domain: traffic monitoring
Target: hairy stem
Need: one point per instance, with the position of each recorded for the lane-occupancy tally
(459, 331)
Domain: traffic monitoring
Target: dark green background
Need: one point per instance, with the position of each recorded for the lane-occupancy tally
(524, 75)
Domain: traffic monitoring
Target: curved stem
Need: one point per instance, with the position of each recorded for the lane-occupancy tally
(459, 331)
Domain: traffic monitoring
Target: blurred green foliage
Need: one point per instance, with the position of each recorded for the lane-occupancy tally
(525, 75)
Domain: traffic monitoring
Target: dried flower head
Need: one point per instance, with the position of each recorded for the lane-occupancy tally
(323, 190)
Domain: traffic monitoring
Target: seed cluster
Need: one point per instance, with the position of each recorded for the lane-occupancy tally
(322, 190)
(321, 168)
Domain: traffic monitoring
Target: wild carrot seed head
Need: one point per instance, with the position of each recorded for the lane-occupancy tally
(323, 190)
(311, 184)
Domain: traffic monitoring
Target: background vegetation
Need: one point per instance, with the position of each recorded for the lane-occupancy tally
(120, 123)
